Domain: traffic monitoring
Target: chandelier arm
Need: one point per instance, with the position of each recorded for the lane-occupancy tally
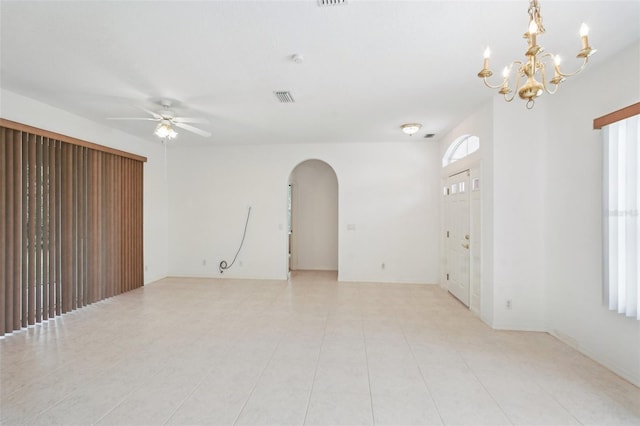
(547, 55)
(486, 83)
(544, 80)
(509, 99)
(518, 76)
(578, 71)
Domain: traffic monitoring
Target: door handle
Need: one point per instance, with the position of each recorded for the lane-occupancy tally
(466, 246)
(466, 237)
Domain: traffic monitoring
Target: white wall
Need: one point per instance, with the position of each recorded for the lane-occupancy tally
(24, 110)
(314, 217)
(389, 192)
(518, 204)
(573, 215)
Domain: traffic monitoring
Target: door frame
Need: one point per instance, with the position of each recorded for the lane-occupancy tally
(458, 247)
(292, 244)
(473, 164)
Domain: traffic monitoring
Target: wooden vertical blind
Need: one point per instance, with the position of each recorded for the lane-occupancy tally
(70, 224)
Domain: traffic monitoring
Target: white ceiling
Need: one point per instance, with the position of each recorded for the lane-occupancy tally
(369, 66)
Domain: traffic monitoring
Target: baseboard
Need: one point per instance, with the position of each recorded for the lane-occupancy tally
(154, 279)
(606, 362)
(226, 277)
(519, 327)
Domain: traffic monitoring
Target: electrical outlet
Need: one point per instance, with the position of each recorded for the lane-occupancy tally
(204, 262)
(383, 265)
(508, 304)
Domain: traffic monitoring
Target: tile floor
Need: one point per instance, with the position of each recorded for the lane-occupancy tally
(309, 351)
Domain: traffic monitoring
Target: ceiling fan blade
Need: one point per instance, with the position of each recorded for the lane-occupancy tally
(190, 120)
(151, 113)
(134, 118)
(193, 129)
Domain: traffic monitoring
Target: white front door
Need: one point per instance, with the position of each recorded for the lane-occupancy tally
(458, 239)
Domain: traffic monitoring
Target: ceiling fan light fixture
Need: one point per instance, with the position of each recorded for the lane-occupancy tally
(411, 128)
(165, 131)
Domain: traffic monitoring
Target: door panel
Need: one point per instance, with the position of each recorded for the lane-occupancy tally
(458, 237)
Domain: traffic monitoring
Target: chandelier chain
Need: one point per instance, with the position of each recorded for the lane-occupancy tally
(535, 16)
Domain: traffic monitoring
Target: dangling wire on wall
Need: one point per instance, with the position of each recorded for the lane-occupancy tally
(223, 265)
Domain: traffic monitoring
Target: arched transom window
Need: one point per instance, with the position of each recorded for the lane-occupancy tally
(460, 148)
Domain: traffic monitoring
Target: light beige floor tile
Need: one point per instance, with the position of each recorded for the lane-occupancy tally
(211, 407)
(86, 406)
(310, 350)
(405, 406)
(156, 400)
(461, 399)
(590, 404)
(523, 401)
(336, 351)
(293, 375)
(341, 377)
(275, 405)
(339, 408)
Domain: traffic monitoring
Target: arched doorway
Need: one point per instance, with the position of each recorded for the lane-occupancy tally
(313, 217)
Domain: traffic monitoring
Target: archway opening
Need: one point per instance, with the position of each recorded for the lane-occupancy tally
(313, 217)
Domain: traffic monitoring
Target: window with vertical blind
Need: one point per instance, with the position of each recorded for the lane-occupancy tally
(621, 199)
(70, 222)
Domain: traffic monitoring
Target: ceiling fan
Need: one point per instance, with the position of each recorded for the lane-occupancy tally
(166, 120)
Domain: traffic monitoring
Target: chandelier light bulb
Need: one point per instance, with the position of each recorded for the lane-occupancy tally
(586, 49)
(557, 60)
(505, 72)
(533, 27)
(486, 72)
(584, 30)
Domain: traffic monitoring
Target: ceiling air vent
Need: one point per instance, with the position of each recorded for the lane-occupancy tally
(331, 2)
(429, 135)
(284, 97)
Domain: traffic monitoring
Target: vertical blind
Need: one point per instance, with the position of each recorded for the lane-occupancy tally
(621, 204)
(70, 224)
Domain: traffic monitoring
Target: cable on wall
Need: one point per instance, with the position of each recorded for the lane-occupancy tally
(223, 264)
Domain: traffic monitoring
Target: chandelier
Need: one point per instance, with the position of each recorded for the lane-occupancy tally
(526, 84)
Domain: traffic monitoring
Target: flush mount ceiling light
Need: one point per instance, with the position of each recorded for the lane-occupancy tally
(411, 128)
(535, 63)
(165, 131)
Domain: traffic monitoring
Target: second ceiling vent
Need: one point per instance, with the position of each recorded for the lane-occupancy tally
(331, 2)
(284, 97)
